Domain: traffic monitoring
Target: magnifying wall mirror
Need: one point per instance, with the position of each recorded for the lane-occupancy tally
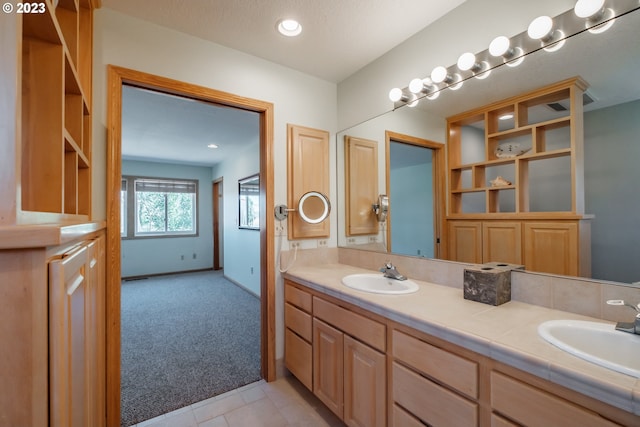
(313, 207)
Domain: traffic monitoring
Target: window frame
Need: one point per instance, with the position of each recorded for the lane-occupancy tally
(131, 205)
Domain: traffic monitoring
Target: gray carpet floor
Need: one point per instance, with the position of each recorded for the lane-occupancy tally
(185, 338)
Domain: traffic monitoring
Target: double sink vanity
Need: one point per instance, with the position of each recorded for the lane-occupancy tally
(379, 351)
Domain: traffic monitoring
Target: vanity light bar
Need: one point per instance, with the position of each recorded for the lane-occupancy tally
(544, 32)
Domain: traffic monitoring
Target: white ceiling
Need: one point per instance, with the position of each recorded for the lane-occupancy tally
(339, 37)
(330, 49)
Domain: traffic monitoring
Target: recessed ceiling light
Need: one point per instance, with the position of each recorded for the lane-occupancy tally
(212, 146)
(289, 27)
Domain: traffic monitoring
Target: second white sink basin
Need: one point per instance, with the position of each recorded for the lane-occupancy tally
(595, 342)
(379, 284)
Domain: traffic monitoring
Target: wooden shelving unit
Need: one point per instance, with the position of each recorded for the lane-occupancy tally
(535, 142)
(526, 130)
(55, 144)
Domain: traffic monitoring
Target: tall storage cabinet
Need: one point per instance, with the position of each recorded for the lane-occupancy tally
(514, 165)
(52, 275)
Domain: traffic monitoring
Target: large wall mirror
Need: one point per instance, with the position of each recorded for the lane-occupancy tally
(609, 62)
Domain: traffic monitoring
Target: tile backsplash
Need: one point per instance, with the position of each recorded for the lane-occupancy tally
(581, 296)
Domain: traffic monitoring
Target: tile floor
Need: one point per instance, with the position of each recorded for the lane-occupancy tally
(282, 403)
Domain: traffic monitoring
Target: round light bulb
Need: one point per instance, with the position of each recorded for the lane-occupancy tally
(587, 8)
(289, 27)
(540, 27)
(416, 86)
(395, 94)
(499, 46)
(466, 61)
(439, 74)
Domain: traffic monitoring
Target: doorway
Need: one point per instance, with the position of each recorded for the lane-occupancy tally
(117, 77)
(218, 224)
(415, 189)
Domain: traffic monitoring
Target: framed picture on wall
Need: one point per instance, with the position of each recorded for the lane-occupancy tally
(249, 202)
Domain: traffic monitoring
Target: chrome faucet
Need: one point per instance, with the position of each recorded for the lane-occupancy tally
(390, 271)
(630, 327)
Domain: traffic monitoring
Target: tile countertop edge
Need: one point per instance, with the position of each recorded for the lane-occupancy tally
(325, 279)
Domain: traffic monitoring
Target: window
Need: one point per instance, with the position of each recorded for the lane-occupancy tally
(159, 207)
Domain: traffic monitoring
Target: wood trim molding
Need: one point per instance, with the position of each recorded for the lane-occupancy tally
(117, 76)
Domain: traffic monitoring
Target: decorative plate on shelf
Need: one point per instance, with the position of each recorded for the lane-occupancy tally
(510, 149)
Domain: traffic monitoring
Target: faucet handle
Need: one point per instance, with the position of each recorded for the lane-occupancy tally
(621, 302)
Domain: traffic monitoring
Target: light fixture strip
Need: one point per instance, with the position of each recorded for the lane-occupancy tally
(568, 23)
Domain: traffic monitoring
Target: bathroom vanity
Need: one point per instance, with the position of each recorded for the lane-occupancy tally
(435, 358)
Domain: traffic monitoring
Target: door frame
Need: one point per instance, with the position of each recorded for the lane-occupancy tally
(216, 186)
(117, 76)
(438, 186)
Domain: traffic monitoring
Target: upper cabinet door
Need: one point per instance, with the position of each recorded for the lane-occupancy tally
(308, 170)
(361, 185)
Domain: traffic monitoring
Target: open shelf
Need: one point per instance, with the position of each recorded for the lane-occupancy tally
(55, 74)
(512, 139)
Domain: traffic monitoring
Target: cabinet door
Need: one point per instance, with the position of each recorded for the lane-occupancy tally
(96, 332)
(551, 247)
(502, 242)
(364, 385)
(465, 241)
(328, 350)
(68, 340)
(361, 185)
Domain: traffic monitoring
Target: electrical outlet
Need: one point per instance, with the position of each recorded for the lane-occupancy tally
(373, 239)
(280, 228)
(251, 270)
(182, 257)
(293, 245)
(351, 240)
(322, 243)
(194, 255)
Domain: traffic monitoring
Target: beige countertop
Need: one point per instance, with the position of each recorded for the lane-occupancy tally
(506, 333)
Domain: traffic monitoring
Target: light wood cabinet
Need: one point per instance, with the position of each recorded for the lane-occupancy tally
(53, 314)
(298, 357)
(328, 366)
(361, 185)
(552, 247)
(349, 364)
(485, 241)
(373, 371)
(449, 382)
(544, 246)
(527, 405)
(344, 360)
(307, 170)
(77, 336)
(538, 151)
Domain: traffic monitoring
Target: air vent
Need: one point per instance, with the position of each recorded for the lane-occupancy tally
(557, 106)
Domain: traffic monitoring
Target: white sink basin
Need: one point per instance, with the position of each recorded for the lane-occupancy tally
(595, 342)
(379, 284)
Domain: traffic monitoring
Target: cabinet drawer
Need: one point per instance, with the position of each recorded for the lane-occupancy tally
(297, 297)
(498, 421)
(298, 358)
(360, 327)
(298, 321)
(402, 418)
(458, 373)
(430, 402)
(530, 406)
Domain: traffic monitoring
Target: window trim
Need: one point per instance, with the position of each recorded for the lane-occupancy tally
(130, 220)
